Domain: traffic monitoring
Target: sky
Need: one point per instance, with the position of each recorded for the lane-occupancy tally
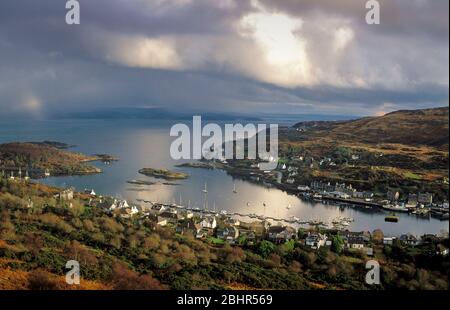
(240, 56)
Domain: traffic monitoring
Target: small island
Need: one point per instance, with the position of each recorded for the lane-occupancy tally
(199, 165)
(163, 174)
(140, 182)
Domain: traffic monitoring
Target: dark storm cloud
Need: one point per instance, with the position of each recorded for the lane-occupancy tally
(199, 54)
(398, 17)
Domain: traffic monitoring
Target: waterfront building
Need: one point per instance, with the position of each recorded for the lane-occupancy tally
(425, 198)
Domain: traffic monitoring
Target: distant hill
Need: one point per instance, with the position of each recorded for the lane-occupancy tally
(411, 127)
(150, 113)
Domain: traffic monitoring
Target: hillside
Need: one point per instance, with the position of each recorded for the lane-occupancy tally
(134, 253)
(406, 151)
(41, 156)
(410, 127)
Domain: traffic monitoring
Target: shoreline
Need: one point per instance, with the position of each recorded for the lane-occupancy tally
(260, 178)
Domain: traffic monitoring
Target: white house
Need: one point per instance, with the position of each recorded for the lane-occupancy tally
(209, 222)
(66, 194)
(388, 240)
(90, 192)
(355, 242)
(157, 208)
(134, 210)
(315, 240)
(229, 234)
(290, 181)
(341, 195)
(304, 188)
(409, 239)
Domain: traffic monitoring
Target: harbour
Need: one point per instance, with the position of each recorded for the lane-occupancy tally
(133, 141)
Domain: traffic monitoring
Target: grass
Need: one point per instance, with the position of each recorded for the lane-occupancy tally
(412, 175)
(215, 241)
(351, 260)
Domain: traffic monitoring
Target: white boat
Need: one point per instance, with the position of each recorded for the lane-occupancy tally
(317, 197)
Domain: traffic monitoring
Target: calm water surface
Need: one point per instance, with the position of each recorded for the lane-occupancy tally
(140, 143)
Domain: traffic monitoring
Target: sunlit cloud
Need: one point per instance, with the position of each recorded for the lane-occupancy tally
(158, 53)
(283, 52)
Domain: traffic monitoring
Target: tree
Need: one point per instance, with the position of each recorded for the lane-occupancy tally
(338, 244)
(76, 251)
(265, 248)
(7, 228)
(378, 235)
(33, 242)
(301, 233)
(287, 247)
(295, 266)
(152, 242)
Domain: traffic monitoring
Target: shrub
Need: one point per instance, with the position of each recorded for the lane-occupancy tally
(123, 278)
(265, 248)
(42, 280)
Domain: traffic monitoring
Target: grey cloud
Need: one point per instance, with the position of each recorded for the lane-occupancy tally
(47, 66)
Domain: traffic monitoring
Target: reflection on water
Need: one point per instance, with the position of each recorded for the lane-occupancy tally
(141, 144)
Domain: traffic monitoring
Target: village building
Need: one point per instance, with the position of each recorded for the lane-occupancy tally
(203, 233)
(232, 221)
(157, 209)
(315, 240)
(412, 199)
(393, 196)
(90, 192)
(442, 250)
(362, 195)
(355, 242)
(341, 195)
(248, 235)
(187, 227)
(228, 233)
(188, 214)
(280, 234)
(290, 181)
(425, 198)
(409, 239)
(168, 217)
(258, 227)
(389, 240)
(66, 194)
(304, 188)
(209, 222)
(126, 212)
(118, 204)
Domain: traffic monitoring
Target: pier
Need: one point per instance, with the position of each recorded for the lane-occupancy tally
(354, 201)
